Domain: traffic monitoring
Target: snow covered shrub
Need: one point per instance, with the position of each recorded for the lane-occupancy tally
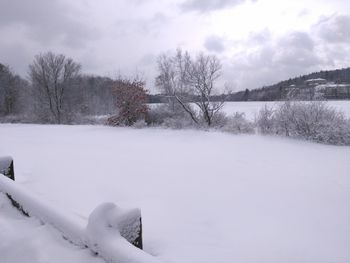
(219, 120)
(91, 119)
(16, 118)
(178, 122)
(265, 120)
(318, 122)
(140, 124)
(167, 116)
(238, 124)
(157, 114)
(284, 118)
(311, 121)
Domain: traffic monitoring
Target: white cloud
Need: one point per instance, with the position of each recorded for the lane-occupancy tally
(204, 6)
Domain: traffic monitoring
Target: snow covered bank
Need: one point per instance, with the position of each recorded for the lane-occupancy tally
(205, 196)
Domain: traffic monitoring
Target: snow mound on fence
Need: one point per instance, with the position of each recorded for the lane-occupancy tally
(107, 225)
(107, 216)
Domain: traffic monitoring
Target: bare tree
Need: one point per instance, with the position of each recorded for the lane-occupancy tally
(8, 92)
(185, 80)
(52, 76)
(7, 95)
(166, 80)
(13, 92)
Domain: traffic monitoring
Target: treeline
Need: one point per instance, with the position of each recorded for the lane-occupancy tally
(57, 92)
(54, 92)
(12, 92)
(279, 90)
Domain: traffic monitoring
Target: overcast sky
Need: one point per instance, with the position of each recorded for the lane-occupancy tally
(258, 41)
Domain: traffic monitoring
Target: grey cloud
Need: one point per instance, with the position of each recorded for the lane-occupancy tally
(150, 26)
(45, 22)
(299, 40)
(294, 48)
(258, 38)
(204, 6)
(148, 59)
(334, 29)
(215, 44)
(17, 56)
(296, 58)
(266, 61)
(291, 55)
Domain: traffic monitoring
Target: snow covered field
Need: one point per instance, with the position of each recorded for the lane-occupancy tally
(251, 108)
(205, 196)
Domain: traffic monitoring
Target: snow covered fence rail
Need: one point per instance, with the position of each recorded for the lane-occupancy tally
(113, 233)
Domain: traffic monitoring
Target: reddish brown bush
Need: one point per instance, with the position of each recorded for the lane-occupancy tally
(131, 102)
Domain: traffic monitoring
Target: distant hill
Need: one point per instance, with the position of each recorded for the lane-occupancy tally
(330, 84)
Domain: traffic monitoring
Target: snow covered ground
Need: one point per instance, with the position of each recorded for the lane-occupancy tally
(251, 108)
(205, 196)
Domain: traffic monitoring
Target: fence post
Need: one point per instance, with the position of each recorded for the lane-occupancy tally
(6, 167)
